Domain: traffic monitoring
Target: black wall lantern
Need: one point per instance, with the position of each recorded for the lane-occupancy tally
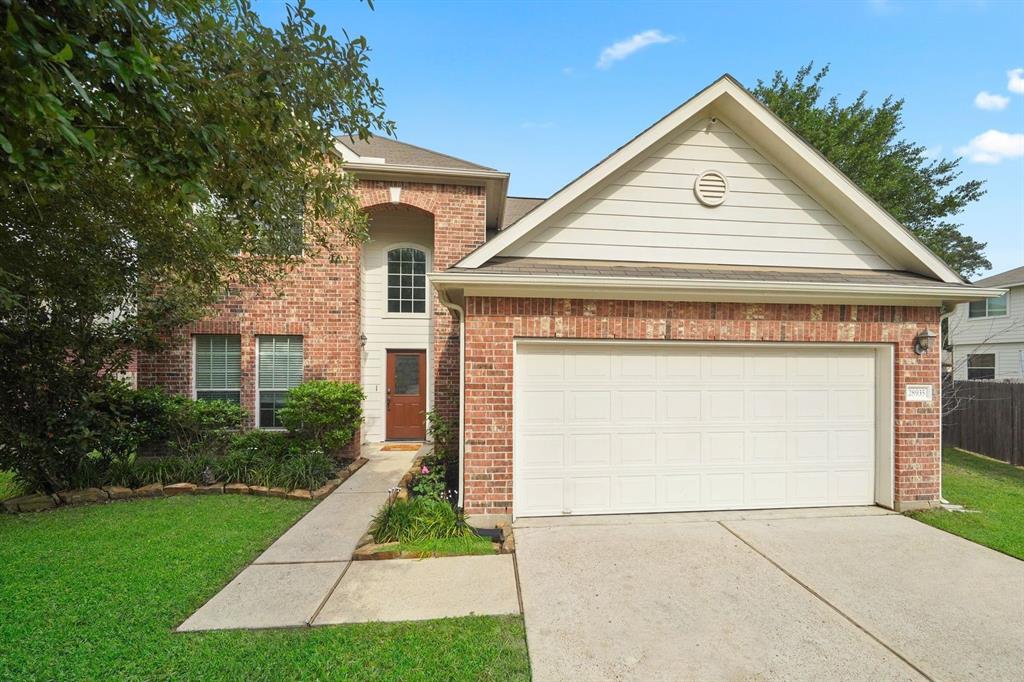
(923, 341)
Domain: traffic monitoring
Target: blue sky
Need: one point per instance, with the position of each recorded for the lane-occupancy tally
(522, 86)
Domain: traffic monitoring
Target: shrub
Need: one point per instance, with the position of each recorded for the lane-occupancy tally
(273, 459)
(201, 428)
(418, 518)
(323, 414)
(308, 469)
(429, 482)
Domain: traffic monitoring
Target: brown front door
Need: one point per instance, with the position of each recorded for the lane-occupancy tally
(407, 395)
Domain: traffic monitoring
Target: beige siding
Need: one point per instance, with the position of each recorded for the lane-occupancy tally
(1003, 336)
(649, 213)
(385, 330)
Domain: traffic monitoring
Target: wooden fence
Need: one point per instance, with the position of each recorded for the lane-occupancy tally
(986, 417)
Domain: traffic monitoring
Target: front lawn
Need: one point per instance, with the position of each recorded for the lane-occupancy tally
(95, 592)
(992, 488)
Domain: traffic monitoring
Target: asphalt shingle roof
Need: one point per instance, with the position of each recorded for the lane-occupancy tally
(1010, 277)
(517, 207)
(405, 154)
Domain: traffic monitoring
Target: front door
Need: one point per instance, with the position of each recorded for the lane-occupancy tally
(407, 395)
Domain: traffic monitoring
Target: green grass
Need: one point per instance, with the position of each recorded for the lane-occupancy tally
(470, 544)
(992, 488)
(95, 592)
(8, 486)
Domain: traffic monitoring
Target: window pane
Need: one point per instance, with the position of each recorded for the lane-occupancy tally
(280, 362)
(270, 402)
(981, 373)
(997, 306)
(981, 360)
(218, 362)
(976, 309)
(407, 374)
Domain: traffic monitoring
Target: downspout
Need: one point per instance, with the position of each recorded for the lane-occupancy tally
(461, 313)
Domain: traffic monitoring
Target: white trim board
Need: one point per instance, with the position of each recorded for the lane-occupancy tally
(807, 168)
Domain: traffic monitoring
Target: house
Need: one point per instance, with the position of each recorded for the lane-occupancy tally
(986, 337)
(712, 317)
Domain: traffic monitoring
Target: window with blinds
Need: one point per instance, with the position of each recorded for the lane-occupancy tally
(218, 367)
(279, 367)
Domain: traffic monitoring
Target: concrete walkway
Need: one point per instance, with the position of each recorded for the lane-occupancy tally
(852, 594)
(307, 577)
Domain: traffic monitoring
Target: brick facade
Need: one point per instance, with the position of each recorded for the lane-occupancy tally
(493, 323)
(320, 300)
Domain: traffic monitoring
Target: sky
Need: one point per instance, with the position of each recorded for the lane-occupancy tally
(544, 90)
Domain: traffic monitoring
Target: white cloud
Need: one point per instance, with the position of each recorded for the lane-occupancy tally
(992, 146)
(932, 152)
(1016, 82)
(989, 102)
(622, 49)
(568, 71)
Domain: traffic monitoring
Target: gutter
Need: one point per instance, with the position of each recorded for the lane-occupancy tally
(458, 310)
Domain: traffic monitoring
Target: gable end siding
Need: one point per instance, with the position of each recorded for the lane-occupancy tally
(649, 213)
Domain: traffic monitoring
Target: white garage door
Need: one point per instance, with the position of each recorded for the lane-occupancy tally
(626, 428)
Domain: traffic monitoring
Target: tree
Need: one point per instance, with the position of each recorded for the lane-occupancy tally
(863, 142)
(144, 146)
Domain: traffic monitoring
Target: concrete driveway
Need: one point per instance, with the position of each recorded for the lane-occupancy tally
(852, 594)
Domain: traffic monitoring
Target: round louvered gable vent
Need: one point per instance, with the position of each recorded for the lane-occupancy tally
(711, 188)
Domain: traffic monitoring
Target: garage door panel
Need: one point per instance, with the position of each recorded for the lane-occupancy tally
(765, 405)
(660, 428)
(541, 407)
(636, 493)
(723, 447)
(680, 405)
(767, 489)
(678, 449)
(542, 451)
(723, 405)
(589, 449)
(767, 447)
(637, 406)
(638, 450)
(588, 405)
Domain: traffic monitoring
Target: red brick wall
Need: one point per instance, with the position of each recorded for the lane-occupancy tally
(493, 323)
(320, 301)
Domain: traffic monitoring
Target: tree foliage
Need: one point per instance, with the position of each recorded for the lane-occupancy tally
(152, 154)
(864, 142)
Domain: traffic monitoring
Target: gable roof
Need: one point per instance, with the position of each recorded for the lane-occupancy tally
(781, 144)
(1010, 278)
(517, 207)
(393, 152)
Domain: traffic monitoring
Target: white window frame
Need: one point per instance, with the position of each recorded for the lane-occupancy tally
(427, 298)
(987, 315)
(258, 391)
(195, 362)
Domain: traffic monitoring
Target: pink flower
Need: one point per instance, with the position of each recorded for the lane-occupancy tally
(424, 469)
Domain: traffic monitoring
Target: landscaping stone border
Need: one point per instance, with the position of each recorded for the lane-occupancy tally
(42, 502)
(368, 550)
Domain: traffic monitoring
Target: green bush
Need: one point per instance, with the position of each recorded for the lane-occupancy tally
(418, 518)
(323, 414)
(273, 459)
(201, 428)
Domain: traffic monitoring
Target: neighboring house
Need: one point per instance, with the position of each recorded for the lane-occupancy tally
(713, 317)
(987, 336)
